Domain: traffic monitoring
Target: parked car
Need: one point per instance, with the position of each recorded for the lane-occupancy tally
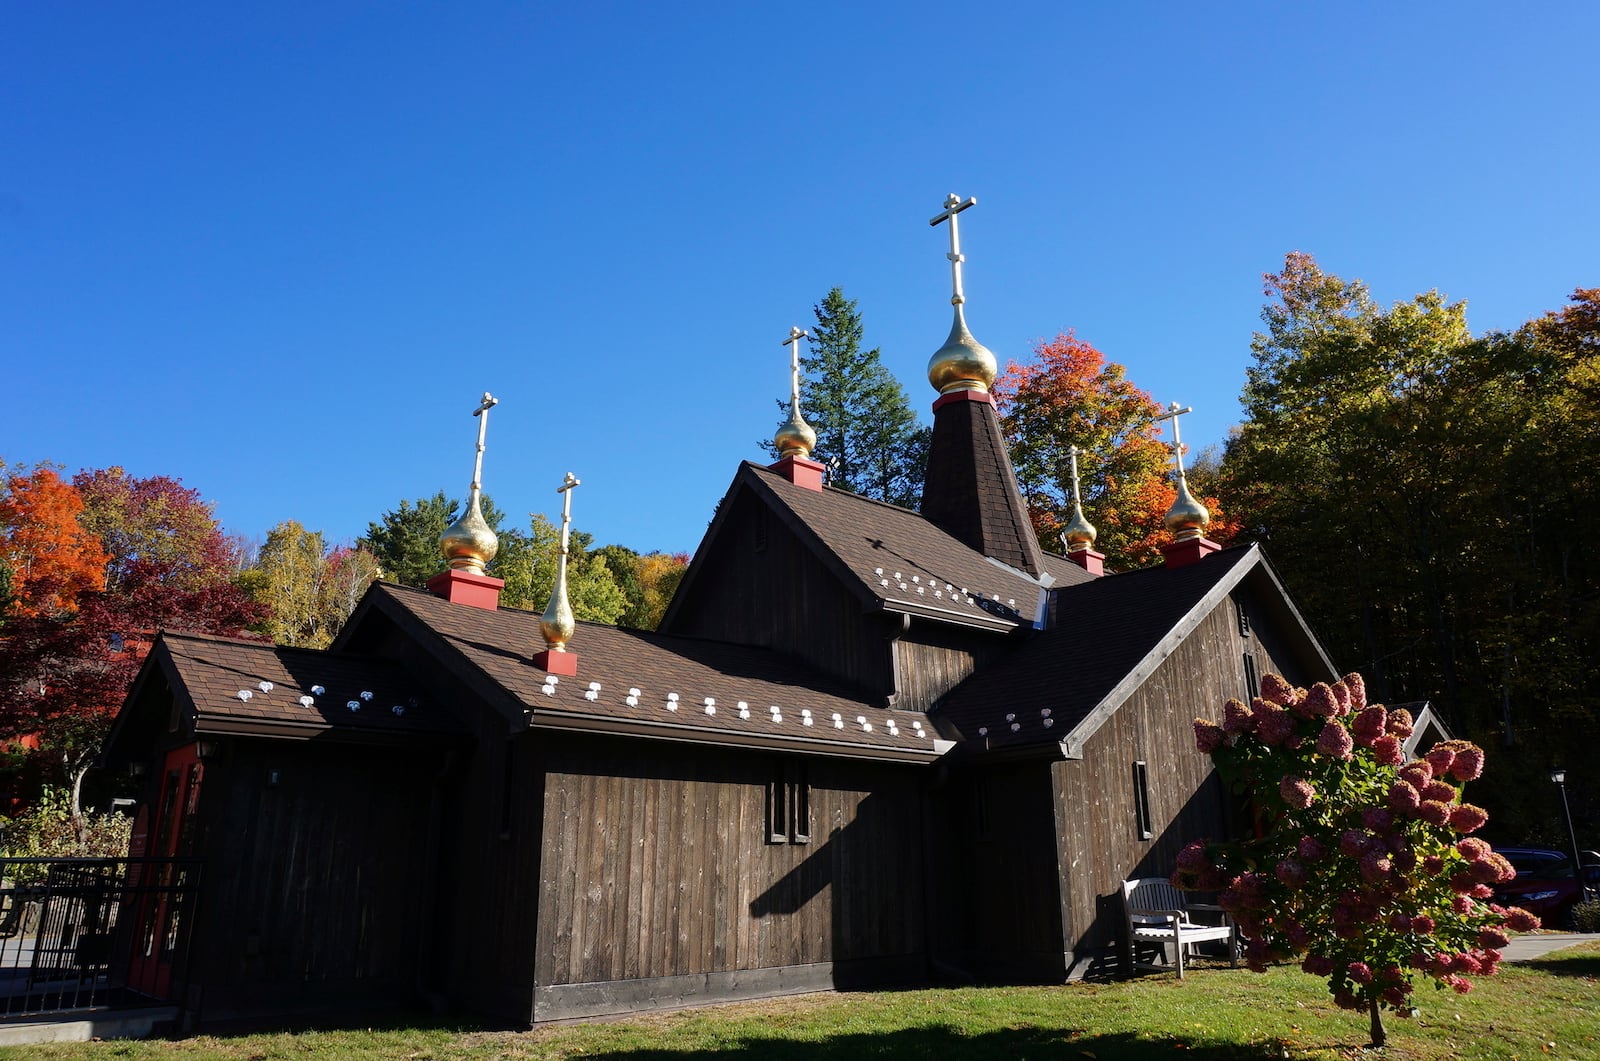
(1545, 884)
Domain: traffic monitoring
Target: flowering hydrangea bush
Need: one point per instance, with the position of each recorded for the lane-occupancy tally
(1363, 868)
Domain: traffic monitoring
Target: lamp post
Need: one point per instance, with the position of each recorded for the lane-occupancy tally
(1560, 778)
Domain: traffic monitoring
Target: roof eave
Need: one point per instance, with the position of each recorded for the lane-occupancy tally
(604, 724)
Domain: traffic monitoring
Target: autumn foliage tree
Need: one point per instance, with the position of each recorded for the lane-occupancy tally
(308, 588)
(1424, 492)
(49, 557)
(1362, 868)
(1070, 395)
(166, 565)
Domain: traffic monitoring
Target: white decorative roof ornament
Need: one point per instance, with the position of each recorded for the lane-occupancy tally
(366, 694)
(307, 701)
(265, 687)
(245, 695)
(317, 690)
(354, 705)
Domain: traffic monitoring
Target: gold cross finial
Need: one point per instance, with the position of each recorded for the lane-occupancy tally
(1173, 412)
(1072, 455)
(793, 343)
(953, 205)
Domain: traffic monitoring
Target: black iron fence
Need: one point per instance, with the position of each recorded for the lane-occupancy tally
(82, 933)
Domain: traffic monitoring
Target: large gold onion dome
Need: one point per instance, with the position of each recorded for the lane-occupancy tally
(1187, 518)
(469, 543)
(1079, 534)
(962, 363)
(794, 437)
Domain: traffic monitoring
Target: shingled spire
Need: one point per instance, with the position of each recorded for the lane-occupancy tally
(970, 491)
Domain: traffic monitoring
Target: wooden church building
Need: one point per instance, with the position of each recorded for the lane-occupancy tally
(867, 747)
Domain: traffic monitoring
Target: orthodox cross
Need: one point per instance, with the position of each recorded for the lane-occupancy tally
(565, 489)
(1077, 495)
(482, 412)
(1173, 412)
(953, 205)
(793, 343)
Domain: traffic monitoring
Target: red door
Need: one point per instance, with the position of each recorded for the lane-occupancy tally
(168, 834)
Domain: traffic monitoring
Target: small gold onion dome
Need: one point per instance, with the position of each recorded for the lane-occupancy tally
(962, 363)
(469, 543)
(795, 437)
(1078, 536)
(1187, 518)
(557, 624)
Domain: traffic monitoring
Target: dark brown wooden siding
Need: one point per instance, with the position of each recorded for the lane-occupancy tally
(313, 895)
(658, 865)
(933, 658)
(1097, 829)
(782, 596)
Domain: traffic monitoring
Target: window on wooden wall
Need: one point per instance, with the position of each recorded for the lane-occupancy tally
(1141, 801)
(788, 803)
(1252, 677)
(1243, 616)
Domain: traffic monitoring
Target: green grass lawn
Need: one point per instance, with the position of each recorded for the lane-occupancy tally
(1544, 1009)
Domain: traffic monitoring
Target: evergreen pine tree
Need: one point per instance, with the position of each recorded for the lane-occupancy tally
(866, 431)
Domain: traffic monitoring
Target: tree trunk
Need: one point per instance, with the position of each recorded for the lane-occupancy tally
(1379, 1036)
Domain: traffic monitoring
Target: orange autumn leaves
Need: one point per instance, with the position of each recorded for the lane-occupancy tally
(50, 557)
(1067, 395)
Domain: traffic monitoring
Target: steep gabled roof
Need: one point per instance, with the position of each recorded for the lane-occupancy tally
(890, 557)
(971, 490)
(1081, 672)
(231, 686)
(652, 685)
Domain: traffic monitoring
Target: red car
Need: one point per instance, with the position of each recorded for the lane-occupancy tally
(1545, 884)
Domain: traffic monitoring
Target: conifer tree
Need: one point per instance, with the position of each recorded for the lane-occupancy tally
(867, 433)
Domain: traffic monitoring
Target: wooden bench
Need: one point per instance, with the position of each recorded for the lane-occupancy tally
(1158, 914)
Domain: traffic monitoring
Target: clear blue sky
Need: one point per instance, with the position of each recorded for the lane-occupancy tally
(278, 250)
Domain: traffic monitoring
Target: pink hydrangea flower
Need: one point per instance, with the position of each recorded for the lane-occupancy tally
(1416, 773)
(1464, 963)
(1404, 798)
(1400, 922)
(1319, 703)
(1296, 792)
(1432, 865)
(1374, 867)
(1369, 725)
(1274, 725)
(1357, 687)
(1237, 717)
(1396, 995)
(1467, 819)
(1433, 812)
(1208, 736)
(1468, 764)
(1462, 904)
(1353, 842)
(1389, 751)
(1440, 757)
(1473, 850)
(1360, 972)
(1317, 964)
(1519, 920)
(1377, 819)
(1459, 984)
(1492, 938)
(1400, 723)
(1341, 697)
(1192, 859)
(1334, 740)
(1276, 690)
(1310, 849)
(1291, 873)
(1443, 791)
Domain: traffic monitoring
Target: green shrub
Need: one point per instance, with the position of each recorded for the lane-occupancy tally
(49, 830)
(1586, 916)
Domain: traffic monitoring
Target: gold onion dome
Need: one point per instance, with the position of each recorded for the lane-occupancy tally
(1187, 518)
(794, 437)
(469, 543)
(962, 363)
(1078, 535)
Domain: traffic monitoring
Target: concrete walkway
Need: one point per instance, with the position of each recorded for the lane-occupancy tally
(1538, 944)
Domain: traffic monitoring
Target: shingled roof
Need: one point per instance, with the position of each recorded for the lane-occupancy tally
(895, 559)
(1073, 677)
(249, 687)
(971, 490)
(653, 685)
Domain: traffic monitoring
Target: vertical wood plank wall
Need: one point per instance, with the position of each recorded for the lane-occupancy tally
(783, 597)
(312, 895)
(659, 865)
(931, 659)
(1097, 837)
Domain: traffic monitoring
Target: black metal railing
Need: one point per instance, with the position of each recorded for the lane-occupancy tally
(81, 933)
